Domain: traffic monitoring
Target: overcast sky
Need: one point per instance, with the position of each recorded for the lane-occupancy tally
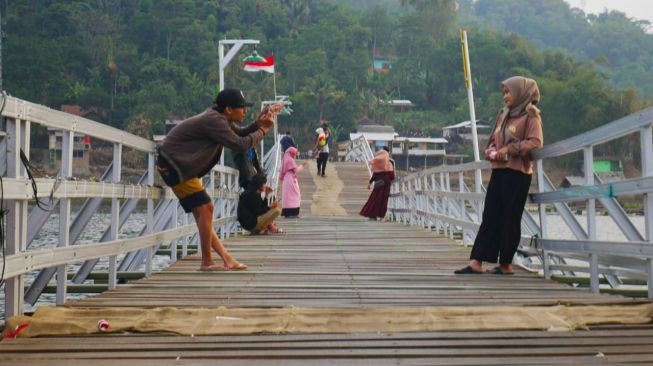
(638, 9)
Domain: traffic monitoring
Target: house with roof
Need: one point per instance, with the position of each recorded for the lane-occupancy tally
(381, 64)
(463, 131)
(81, 142)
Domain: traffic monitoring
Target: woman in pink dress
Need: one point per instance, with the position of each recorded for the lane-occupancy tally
(291, 197)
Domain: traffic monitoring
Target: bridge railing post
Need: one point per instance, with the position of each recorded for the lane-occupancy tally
(149, 224)
(115, 213)
(16, 226)
(590, 211)
(64, 212)
(463, 208)
(646, 142)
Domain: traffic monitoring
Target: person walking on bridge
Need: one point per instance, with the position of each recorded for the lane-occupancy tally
(192, 148)
(516, 132)
(383, 173)
(322, 147)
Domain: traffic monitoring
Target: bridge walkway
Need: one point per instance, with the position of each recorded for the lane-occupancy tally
(333, 259)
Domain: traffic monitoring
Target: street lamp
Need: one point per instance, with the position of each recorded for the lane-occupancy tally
(286, 111)
(223, 60)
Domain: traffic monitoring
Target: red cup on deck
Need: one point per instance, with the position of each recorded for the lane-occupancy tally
(102, 325)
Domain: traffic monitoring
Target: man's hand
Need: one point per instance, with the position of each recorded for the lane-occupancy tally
(274, 204)
(268, 189)
(265, 121)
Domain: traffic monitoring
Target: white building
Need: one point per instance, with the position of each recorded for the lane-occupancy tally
(419, 146)
(407, 151)
(463, 130)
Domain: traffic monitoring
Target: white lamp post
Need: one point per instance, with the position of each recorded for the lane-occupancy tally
(224, 60)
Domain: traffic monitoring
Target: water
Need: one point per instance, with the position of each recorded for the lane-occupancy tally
(606, 230)
(48, 238)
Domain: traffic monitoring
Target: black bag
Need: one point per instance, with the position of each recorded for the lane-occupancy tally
(379, 183)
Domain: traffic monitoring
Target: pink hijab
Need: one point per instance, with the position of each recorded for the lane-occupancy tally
(288, 161)
(381, 162)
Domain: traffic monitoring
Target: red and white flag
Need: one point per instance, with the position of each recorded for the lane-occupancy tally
(255, 66)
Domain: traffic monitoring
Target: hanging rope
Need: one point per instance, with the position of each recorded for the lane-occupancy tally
(29, 168)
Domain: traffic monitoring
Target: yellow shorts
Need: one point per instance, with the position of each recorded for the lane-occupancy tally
(191, 194)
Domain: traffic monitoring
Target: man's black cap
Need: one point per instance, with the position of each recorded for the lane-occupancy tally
(233, 98)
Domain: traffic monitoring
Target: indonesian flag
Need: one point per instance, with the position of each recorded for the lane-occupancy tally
(267, 65)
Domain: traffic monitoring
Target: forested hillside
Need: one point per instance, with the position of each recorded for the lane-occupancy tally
(617, 45)
(149, 60)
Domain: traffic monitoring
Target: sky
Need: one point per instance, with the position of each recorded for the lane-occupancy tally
(638, 9)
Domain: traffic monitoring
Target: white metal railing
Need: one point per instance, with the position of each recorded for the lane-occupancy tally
(439, 198)
(359, 150)
(23, 221)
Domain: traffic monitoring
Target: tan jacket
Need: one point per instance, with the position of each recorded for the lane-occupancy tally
(521, 134)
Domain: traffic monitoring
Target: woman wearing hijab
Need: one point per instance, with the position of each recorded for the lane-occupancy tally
(291, 197)
(383, 173)
(254, 214)
(516, 132)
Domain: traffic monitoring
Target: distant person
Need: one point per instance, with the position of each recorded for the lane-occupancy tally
(291, 196)
(254, 214)
(192, 148)
(516, 132)
(322, 147)
(383, 173)
(287, 141)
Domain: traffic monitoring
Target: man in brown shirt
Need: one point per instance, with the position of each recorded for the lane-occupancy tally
(192, 148)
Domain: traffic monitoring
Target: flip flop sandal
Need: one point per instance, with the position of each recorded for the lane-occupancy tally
(212, 268)
(499, 271)
(466, 270)
(238, 267)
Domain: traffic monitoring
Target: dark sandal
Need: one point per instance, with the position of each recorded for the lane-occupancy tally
(499, 271)
(466, 270)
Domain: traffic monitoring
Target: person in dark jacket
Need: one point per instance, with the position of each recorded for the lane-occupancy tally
(254, 214)
(287, 141)
(248, 166)
(192, 148)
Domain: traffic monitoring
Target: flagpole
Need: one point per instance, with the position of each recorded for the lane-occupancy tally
(274, 85)
(472, 111)
(276, 127)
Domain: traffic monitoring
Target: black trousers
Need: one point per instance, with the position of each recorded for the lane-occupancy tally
(500, 229)
(322, 159)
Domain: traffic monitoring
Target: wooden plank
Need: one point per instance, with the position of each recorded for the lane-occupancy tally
(343, 261)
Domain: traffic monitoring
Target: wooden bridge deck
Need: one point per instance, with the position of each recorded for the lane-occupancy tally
(342, 261)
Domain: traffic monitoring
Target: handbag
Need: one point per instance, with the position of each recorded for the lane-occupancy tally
(379, 183)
